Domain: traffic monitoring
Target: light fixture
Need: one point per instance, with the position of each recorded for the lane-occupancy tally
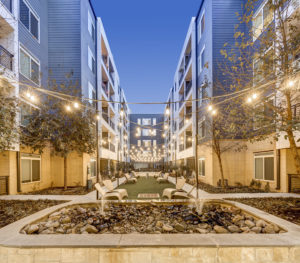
(76, 105)
(209, 108)
(97, 117)
(291, 84)
(68, 108)
(167, 111)
(214, 112)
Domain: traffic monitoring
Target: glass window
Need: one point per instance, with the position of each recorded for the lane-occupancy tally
(91, 26)
(146, 121)
(201, 167)
(139, 142)
(29, 19)
(202, 59)
(30, 168)
(201, 129)
(146, 132)
(91, 61)
(264, 166)
(24, 64)
(154, 121)
(154, 142)
(202, 24)
(29, 68)
(93, 167)
(139, 121)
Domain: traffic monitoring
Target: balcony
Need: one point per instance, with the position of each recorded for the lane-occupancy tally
(189, 144)
(7, 4)
(105, 60)
(111, 99)
(187, 60)
(181, 100)
(6, 59)
(111, 74)
(188, 87)
(181, 147)
(112, 147)
(112, 124)
(181, 124)
(105, 87)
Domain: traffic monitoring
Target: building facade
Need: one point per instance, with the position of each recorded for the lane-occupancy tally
(146, 140)
(267, 162)
(59, 42)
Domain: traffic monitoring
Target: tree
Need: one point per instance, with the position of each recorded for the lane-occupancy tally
(66, 126)
(9, 132)
(268, 44)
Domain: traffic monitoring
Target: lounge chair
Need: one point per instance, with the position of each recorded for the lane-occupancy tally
(111, 195)
(156, 175)
(108, 184)
(163, 179)
(169, 191)
(130, 180)
(135, 174)
(182, 194)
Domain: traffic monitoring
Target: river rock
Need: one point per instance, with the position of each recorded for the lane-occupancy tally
(261, 223)
(179, 227)
(32, 229)
(237, 218)
(249, 223)
(203, 226)
(66, 220)
(167, 228)
(90, 229)
(269, 229)
(159, 224)
(234, 229)
(201, 231)
(220, 229)
(256, 229)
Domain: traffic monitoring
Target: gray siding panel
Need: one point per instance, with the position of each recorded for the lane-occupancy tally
(64, 39)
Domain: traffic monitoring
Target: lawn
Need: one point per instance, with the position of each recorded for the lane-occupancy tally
(145, 185)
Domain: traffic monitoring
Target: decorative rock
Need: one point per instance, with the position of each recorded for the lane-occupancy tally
(249, 223)
(261, 223)
(203, 226)
(90, 229)
(32, 229)
(256, 229)
(269, 229)
(167, 228)
(234, 229)
(237, 218)
(201, 231)
(245, 229)
(179, 227)
(159, 224)
(66, 220)
(220, 229)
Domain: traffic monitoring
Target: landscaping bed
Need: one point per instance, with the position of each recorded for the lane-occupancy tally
(151, 218)
(285, 208)
(78, 190)
(229, 189)
(14, 210)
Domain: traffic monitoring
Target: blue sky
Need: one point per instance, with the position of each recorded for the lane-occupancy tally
(146, 37)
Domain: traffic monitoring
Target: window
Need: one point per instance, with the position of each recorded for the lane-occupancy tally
(201, 166)
(154, 142)
(146, 132)
(154, 121)
(146, 121)
(147, 143)
(29, 19)
(26, 111)
(91, 26)
(201, 26)
(91, 61)
(201, 60)
(262, 19)
(139, 143)
(201, 129)
(30, 168)
(92, 95)
(264, 166)
(139, 121)
(93, 167)
(29, 67)
(154, 132)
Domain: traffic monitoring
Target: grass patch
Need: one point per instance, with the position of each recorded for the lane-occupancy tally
(145, 185)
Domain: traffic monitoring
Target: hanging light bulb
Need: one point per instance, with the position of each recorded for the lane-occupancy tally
(254, 96)
(249, 100)
(28, 95)
(167, 111)
(98, 117)
(76, 105)
(68, 108)
(210, 108)
(291, 84)
(122, 112)
(214, 112)
(166, 127)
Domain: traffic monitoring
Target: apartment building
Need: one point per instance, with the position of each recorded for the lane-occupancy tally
(45, 41)
(146, 140)
(269, 161)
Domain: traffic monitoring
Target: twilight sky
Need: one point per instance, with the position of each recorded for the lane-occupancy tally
(146, 37)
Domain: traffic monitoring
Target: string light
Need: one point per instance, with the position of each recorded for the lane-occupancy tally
(167, 112)
(76, 105)
(98, 117)
(214, 112)
(210, 108)
(291, 84)
(68, 108)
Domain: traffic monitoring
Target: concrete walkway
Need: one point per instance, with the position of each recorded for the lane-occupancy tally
(187, 187)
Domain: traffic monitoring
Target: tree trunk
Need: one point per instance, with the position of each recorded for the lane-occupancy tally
(65, 173)
(221, 170)
(294, 150)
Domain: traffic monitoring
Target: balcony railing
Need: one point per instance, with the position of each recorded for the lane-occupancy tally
(6, 59)
(181, 147)
(111, 74)
(181, 76)
(181, 100)
(181, 124)
(188, 87)
(112, 99)
(112, 147)
(7, 4)
(188, 144)
(105, 60)
(188, 59)
(105, 87)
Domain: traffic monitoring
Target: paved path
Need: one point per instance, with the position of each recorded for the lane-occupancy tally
(187, 187)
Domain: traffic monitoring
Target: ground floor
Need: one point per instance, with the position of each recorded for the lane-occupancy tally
(24, 171)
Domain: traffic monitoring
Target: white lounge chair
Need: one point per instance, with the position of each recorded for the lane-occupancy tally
(109, 185)
(163, 179)
(182, 194)
(135, 174)
(130, 180)
(107, 195)
(156, 175)
(169, 191)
